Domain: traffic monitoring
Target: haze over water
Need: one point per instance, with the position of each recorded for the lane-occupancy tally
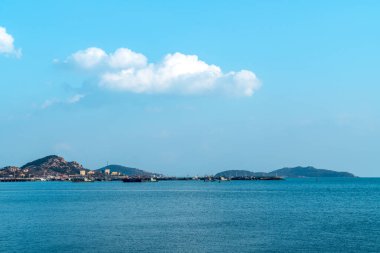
(295, 215)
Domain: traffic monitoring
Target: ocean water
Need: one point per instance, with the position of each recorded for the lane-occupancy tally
(296, 215)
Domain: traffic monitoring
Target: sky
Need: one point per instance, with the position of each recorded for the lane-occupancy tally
(192, 87)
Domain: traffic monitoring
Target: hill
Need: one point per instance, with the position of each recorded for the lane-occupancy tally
(47, 166)
(128, 171)
(308, 172)
(9, 170)
(294, 172)
(52, 165)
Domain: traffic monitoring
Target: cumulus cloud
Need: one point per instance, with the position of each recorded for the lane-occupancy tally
(88, 58)
(7, 43)
(71, 100)
(125, 58)
(93, 57)
(126, 70)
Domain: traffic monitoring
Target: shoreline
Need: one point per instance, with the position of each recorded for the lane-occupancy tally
(141, 179)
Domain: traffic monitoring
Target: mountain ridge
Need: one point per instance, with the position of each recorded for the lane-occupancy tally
(291, 172)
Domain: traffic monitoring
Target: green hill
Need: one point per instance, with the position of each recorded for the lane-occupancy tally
(128, 171)
(308, 172)
(294, 172)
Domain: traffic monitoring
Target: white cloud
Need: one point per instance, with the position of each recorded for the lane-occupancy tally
(7, 43)
(88, 58)
(126, 58)
(71, 100)
(126, 70)
(94, 57)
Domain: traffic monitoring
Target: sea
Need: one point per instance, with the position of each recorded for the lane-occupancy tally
(293, 215)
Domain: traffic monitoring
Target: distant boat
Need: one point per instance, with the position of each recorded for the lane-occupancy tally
(139, 180)
(208, 179)
(81, 180)
(133, 180)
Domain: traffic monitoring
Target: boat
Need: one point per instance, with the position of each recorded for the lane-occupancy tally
(133, 180)
(139, 180)
(81, 180)
(209, 179)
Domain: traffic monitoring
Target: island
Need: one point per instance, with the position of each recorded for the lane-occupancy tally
(293, 172)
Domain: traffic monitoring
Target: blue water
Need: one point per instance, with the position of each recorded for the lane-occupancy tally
(299, 215)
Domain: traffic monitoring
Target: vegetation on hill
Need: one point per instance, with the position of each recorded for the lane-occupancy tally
(286, 172)
(128, 171)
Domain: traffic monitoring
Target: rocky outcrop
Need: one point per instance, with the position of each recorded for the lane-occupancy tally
(53, 165)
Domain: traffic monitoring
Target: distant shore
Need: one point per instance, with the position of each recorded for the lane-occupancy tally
(56, 168)
(137, 179)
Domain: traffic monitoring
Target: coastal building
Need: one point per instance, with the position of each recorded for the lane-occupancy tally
(114, 173)
(107, 171)
(82, 173)
(91, 172)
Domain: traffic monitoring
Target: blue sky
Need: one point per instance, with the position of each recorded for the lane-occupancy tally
(255, 85)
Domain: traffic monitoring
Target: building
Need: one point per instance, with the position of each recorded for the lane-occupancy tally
(114, 173)
(107, 171)
(82, 173)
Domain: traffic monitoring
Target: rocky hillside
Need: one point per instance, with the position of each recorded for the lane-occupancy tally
(9, 170)
(52, 165)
